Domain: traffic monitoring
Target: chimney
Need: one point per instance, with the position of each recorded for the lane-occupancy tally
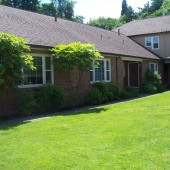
(118, 31)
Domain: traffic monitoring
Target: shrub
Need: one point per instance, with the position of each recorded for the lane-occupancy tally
(148, 87)
(109, 91)
(50, 98)
(154, 78)
(27, 104)
(129, 92)
(104, 90)
(152, 83)
(94, 96)
(115, 90)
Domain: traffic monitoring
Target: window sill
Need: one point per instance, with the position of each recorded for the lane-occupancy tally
(92, 82)
(29, 86)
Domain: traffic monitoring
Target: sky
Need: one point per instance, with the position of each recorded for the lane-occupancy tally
(105, 8)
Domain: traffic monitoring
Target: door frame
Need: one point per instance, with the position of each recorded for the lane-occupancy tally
(138, 73)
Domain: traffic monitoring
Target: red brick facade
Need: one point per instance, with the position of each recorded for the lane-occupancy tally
(9, 102)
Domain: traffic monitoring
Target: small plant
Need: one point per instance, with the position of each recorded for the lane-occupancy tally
(129, 92)
(50, 98)
(27, 103)
(94, 96)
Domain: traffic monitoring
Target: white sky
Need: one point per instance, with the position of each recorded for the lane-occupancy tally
(106, 8)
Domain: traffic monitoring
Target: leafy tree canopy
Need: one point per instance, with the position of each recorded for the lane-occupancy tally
(79, 19)
(12, 60)
(47, 9)
(75, 55)
(105, 23)
(74, 60)
(31, 5)
(124, 7)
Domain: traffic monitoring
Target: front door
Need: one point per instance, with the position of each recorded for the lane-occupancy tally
(133, 74)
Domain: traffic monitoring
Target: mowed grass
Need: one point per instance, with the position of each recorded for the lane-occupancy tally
(129, 135)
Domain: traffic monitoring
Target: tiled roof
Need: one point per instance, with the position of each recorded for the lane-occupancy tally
(42, 30)
(146, 26)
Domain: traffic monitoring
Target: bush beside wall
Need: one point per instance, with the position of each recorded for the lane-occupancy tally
(107, 92)
(48, 98)
(152, 83)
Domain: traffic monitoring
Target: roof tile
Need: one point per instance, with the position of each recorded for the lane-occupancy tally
(42, 30)
(146, 26)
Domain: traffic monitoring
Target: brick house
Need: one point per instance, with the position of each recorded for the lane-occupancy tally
(153, 34)
(125, 60)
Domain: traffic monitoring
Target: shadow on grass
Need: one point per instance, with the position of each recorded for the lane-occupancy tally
(10, 124)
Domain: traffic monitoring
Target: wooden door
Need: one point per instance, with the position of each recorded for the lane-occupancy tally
(133, 74)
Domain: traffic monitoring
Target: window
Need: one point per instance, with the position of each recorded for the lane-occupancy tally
(152, 42)
(102, 73)
(153, 67)
(148, 41)
(42, 74)
(155, 42)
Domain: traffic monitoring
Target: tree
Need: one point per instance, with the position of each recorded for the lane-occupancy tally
(105, 23)
(60, 6)
(155, 5)
(74, 60)
(129, 15)
(156, 8)
(79, 19)
(64, 8)
(47, 9)
(31, 5)
(69, 10)
(124, 7)
(12, 60)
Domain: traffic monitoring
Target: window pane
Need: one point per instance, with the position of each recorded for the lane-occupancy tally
(155, 42)
(107, 65)
(108, 75)
(148, 42)
(34, 76)
(48, 63)
(151, 67)
(99, 72)
(48, 77)
(155, 39)
(156, 67)
(38, 61)
(91, 75)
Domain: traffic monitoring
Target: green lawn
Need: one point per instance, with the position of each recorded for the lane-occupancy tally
(130, 135)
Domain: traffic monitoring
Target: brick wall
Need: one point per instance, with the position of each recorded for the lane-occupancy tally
(9, 102)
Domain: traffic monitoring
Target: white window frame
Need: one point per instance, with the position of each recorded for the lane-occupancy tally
(105, 71)
(44, 72)
(155, 67)
(152, 42)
